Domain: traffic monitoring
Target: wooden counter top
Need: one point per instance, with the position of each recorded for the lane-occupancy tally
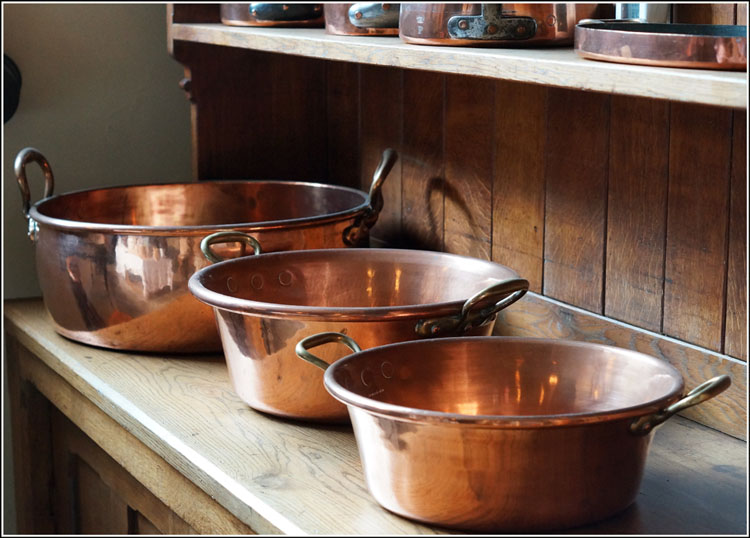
(279, 476)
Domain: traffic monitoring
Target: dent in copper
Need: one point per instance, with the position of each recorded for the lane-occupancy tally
(265, 304)
(113, 264)
(337, 22)
(502, 434)
(427, 23)
(697, 46)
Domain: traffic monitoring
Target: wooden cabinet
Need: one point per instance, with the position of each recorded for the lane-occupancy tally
(618, 191)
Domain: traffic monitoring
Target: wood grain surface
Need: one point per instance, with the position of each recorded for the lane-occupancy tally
(285, 476)
(556, 66)
(636, 211)
(695, 13)
(342, 119)
(735, 337)
(697, 220)
(518, 189)
(576, 197)
(422, 172)
(469, 116)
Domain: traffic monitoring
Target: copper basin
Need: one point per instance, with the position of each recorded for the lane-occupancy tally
(265, 304)
(505, 434)
(113, 264)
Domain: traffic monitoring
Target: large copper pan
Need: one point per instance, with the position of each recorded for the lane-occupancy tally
(114, 263)
(505, 434)
(265, 304)
(488, 25)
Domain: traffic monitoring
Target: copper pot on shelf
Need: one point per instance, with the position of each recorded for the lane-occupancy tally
(272, 14)
(364, 18)
(499, 434)
(113, 263)
(265, 304)
(488, 25)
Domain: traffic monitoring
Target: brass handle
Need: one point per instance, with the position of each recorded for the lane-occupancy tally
(227, 237)
(701, 393)
(507, 292)
(318, 340)
(357, 232)
(24, 157)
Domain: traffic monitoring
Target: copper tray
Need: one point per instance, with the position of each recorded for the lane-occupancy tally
(699, 46)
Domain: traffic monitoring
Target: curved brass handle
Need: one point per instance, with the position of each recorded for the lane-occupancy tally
(24, 157)
(701, 393)
(318, 340)
(357, 232)
(507, 293)
(227, 237)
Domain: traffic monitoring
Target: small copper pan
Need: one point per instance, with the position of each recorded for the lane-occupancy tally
(698, 46)
(503, 434)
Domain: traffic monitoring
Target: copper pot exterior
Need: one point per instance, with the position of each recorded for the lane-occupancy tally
(125, 286)
(521, 434)
(337, 22)
(265, 304)
(427, 23)
(239, 15)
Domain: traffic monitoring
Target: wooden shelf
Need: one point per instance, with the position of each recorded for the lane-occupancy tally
(560, 67)
(163, 418)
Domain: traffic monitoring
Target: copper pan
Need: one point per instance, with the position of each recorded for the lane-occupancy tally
(505, 434)
(697, 46)
(265, 304)
(492, 25)
(113, 264)
(364, 18)
(272, 14)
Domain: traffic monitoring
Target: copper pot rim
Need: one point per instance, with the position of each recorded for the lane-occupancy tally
(325, 313)
(506, 422)
(37, 214)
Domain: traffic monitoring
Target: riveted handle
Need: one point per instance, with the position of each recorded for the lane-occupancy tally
(227, 237)
(504, 293)
(24, 157)
(318, 340)
(701, 393)
(357, 232)
(374, 15)
(491, 25)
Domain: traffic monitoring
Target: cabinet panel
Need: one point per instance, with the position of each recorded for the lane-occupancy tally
(518, 189)
(469, 119)
(697, 219)
(576, 183)
(342, 106)
(636, 211)
(422, 169)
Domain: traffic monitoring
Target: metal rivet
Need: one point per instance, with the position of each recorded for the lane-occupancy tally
(285, 278)
(386, 369)
(358, 15)
(492, 29)
(256, 282)
(521, 30)
(231, 284)
(366, 377)
(463, 24)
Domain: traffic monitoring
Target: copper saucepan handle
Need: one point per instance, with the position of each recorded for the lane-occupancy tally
(24, 157)
(701, 393)
(374, 15)
(507, 292)
(227, 237)
(355, 233)
(319, 339)
(491, 25)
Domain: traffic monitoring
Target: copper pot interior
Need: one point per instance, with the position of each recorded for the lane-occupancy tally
(195, 204)
(349, 278)
(504, 377)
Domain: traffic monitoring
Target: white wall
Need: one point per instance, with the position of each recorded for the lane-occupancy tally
(100, 99)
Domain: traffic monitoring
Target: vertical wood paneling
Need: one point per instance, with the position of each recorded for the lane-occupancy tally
(518, 190)
(575, 205)
(380, 128)
(422, 169)
(691, 13)
(697, 218)
(741, 13)
(469, 118)
(735, 339)
(342, 80)
(636, 216)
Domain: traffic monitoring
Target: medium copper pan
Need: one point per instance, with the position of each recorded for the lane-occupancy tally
(505, 434)
(113, 264)
(265, 304)
(488, 25)
(272, 14)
